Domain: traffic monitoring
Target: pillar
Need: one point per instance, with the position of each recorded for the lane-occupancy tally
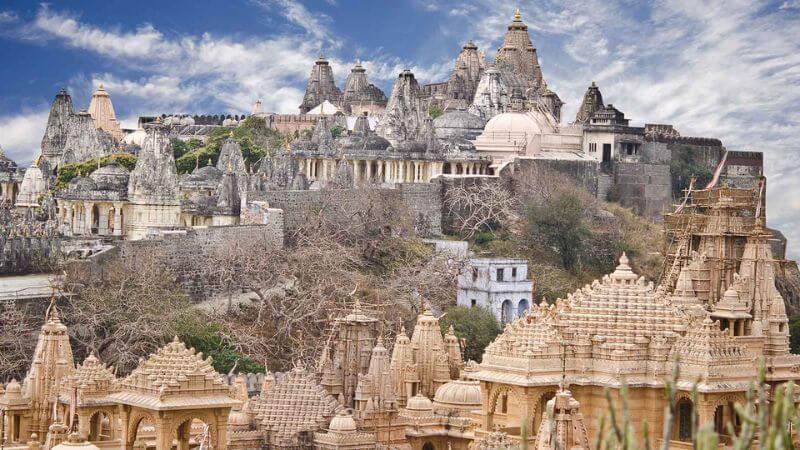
(163, 428)
(102, 221)
(87, 218)
(117, 219)
(84, 427)
(369, 170)
(380, 171)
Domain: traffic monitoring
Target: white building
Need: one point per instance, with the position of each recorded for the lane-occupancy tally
(499, 284)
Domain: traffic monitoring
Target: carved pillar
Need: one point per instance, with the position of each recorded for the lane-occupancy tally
(163, 428)
(369, 170)
(117, 219)
(84, 424)
(380, 171)
(102, 220)
(125, 436)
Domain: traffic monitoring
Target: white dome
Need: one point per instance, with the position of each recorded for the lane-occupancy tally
(342, 423)
(135, 138)
(530, 123)
(459, 393)
(419, 403)
(188, 120)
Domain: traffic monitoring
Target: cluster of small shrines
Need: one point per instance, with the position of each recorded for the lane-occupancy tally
(716, 312)
(493, 114)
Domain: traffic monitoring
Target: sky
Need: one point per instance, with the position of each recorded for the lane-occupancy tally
(728, 69)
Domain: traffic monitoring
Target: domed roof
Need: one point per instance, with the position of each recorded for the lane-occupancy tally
(531, 123)
(370, 142)
(238, 419)
(111, 176)
(206, 173)
(6, 163)
(82, 184)
(419, 403)
(75, 442)
(188, 120)
(343, 423)
(135, 138)
(458, 119)
(13, 387)
(459, 393)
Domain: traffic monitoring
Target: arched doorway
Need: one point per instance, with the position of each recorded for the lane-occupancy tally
(143, 433)
(541, 411)
(682, 430)
(724, 415)
(101, 427)
(506, 311)
(522, 306)
(95, 219)
(192, 433)
(428, 446)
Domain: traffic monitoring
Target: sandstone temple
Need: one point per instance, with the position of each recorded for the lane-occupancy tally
(98, 190)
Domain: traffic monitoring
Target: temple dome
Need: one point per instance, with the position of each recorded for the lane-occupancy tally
(460, 124)
(111, 176)
(459, 393)
(419, 403)
(75, 442)
(343, 423)
(206, 173)
(530, 123)
(6, 163)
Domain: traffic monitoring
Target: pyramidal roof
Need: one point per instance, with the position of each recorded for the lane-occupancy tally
(176, 377)
(294, 403)
(92, 379)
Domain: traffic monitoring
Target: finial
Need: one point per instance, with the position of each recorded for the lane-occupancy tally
(100, 88)
(517, 15)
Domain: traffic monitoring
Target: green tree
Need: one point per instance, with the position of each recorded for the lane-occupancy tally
(683, 167)
(558, 223)
(337, 131)
(435, 111)
(476, 325)
(213, 340)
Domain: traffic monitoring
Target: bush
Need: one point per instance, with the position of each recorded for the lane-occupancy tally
(476, 325)
(683, 167)
(558, 223)
(213, 340)
(435, 111)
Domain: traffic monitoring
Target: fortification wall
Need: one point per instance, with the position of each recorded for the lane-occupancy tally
(583, 173)
(301, 207)
(21, 255)
(645, 188)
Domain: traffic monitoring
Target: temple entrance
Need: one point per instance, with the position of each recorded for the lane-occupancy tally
(193, 433)
(428, 446)
(682, 430)
(606, 153)
(100, 427)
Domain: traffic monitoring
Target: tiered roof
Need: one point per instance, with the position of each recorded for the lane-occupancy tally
(175, 377)
(293, 404)
(93, 381)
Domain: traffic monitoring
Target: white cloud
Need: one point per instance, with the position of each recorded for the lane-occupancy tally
(8, 16)
(21, 135)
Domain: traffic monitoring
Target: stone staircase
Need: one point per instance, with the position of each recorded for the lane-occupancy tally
(604, 183)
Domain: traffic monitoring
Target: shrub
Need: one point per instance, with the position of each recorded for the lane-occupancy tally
(213, 340)
(476, 325)
(683, 167)
(558, 223)
(435, 111)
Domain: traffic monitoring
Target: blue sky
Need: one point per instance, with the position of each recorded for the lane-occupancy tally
(728, 69)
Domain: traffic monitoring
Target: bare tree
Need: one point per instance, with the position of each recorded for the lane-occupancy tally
(17, 341)
(125, 314)
(485, 206)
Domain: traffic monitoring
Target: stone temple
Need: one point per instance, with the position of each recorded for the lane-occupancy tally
(541, 383)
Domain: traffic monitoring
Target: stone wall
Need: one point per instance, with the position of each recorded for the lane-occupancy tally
(583, 173)
(21, 255)
(645, 188)
(185, 253)
(301, 207)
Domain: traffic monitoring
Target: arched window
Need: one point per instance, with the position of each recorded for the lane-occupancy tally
(522, 306)
(506, 311)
